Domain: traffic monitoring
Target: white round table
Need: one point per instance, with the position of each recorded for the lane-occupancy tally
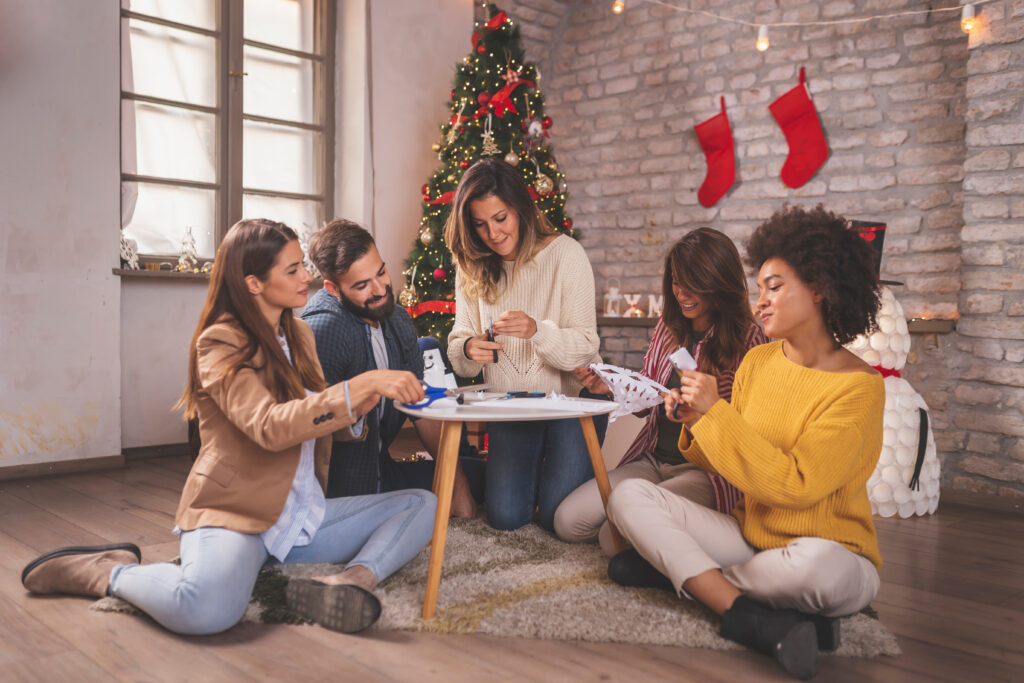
(453, 415)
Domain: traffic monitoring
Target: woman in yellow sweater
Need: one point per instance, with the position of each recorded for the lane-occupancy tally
(800, 439)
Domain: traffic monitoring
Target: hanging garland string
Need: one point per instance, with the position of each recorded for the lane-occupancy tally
(822, 22)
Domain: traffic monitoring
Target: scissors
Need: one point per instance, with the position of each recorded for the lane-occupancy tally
(490, 336)
(434, 393)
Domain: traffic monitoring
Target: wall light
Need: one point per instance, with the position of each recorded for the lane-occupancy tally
(967, 19)
(618, 6)
(762, 39)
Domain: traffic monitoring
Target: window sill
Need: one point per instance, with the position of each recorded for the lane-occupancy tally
(159, 275)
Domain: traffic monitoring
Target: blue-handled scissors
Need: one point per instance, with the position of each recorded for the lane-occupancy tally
(434, 393)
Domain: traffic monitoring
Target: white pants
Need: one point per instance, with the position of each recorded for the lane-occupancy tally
(683, 539)
(581, 517)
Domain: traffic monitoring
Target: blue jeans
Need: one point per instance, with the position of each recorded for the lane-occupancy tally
(210, 590)
(533, 466)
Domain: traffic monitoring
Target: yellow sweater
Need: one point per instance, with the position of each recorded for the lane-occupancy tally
(800, 444)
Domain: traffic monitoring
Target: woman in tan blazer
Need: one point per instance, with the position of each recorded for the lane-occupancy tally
(256, 491)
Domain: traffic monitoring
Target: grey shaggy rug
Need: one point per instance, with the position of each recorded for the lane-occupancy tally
(526, 583)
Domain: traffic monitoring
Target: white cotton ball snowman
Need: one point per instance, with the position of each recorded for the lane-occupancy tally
(889, 486)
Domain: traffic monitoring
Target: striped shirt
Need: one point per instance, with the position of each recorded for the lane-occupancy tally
(658, 367)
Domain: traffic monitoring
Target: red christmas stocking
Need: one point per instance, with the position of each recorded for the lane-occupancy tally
(715, 138)
(796, 115)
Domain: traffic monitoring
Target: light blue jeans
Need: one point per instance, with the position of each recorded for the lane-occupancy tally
(210, 590)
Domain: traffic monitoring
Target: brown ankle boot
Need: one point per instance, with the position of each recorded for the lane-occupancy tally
(79, 570)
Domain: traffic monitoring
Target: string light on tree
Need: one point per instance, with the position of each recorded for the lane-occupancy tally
(618, 6)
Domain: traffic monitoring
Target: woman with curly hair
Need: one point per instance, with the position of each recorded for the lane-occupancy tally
(800, 438)
(524, 315)
(707, 310)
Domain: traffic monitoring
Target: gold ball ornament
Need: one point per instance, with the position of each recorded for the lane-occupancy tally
(407, 297)
(543, 184)
(426, 236)
(436, 147)
(512, 159)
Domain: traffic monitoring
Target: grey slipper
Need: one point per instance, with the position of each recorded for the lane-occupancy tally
(342, 607)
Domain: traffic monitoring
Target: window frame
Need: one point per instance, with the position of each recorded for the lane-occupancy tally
(230, 117)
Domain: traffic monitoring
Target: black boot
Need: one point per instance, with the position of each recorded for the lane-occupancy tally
(629, 568)
(787, 636)
(827, 629)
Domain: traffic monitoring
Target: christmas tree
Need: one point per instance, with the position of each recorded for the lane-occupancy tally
(497, 109)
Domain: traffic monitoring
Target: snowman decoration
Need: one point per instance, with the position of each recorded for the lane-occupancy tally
(906, 479)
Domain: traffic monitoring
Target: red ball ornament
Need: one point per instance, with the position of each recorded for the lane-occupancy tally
(439, 274)
(481, 48)
(546, 122)
(567, 224)
(424, 189)
(525, 125)
(464, 164)
(483, 98)
(451, 94)
(426, 197)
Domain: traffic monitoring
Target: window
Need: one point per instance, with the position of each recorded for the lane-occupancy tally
(227, 111)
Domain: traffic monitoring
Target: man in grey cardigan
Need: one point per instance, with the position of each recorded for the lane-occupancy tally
(359, 328)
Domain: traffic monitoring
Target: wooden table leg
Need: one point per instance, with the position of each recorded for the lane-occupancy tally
(600, 474)
(444, 483)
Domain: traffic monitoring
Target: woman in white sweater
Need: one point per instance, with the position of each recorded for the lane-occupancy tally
(537, 288)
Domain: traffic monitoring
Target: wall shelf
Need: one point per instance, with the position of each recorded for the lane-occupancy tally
(914, 325)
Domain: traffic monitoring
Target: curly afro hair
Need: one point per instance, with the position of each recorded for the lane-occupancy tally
(824, 252)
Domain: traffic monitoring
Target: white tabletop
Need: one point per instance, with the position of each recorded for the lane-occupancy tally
(511, 409)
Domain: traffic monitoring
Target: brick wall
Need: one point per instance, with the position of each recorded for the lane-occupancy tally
(985, 439)
(925, 134)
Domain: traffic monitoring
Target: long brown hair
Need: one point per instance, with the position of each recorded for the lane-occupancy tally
(251, 247)
(481, 269)
(706, 262)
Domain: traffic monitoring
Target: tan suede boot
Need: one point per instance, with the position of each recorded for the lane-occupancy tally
(78, 570)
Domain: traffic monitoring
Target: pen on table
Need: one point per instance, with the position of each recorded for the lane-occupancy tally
(525, 394)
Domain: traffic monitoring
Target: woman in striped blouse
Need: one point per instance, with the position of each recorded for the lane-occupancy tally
(707, 310)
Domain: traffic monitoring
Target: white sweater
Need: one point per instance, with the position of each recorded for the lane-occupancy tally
(556, 289)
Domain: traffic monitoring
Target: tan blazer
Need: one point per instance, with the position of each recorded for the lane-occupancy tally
(250, 441)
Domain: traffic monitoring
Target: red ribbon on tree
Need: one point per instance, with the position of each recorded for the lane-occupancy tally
(431, 307)
(494, 22)
(445, 198)
(501, 101)
(887, 372)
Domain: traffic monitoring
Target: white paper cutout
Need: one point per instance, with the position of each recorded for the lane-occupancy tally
(631, 390)
(682, 359)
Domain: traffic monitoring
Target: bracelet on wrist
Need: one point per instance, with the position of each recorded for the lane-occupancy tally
(348, 402)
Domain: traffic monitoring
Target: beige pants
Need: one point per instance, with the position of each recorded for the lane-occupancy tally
(581, 517)
(683, 539)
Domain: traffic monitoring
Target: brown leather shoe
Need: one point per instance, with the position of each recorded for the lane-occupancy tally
(78, 570)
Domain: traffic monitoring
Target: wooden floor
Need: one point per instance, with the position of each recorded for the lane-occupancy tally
(952, 591)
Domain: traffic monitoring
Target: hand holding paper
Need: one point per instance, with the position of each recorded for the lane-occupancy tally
(682, 359)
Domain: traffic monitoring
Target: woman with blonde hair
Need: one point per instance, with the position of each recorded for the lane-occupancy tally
(256, 490)
(524, 315)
